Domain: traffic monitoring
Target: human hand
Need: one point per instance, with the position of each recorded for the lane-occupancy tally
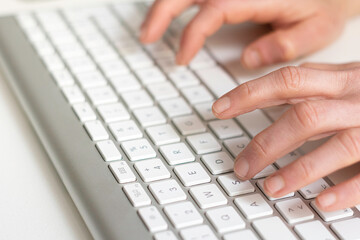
(300, 27)
(325, 101)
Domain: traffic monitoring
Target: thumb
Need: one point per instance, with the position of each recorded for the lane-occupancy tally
(285, 44)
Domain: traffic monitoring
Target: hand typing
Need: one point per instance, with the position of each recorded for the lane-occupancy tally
(325, 101)
(299, 27)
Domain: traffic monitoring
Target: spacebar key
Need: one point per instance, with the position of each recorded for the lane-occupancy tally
(217, 80)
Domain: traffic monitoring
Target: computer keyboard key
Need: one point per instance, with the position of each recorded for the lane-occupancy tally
(287, 159)
(201, 232)
(294, 210)
(218, 163)
(125, 83)
(137, 99)
(202, 60)
(103, 54)
(81, 65)
(122, 172)
(91, 79)
(245, 234)
(211, 76)
(152, 170)
(163, 134)
(114, 68)
(167, 191)
(69, 51)
(183, 214)
(203, 143)
(205, 111)
(152, 219)
(96, 130)
(113, 112)
(138, 149)
(184, 79)
(225, 219)
(159, 50)
(149, 116)
(63, 78)
(167, 235)
(225, 128)
(236, 145)
(150, 75)
(53, 62)
(192, 174)
(313, 230)
(125, 130)
(267, 171)
(272, 228)
(84, 112)
(177, 153)
(207, 196)
(102, 95)
(254, 122)
(190, 124)
(347, 229)
(253, 206)
(108, 150)
(175, 107)
(260, 184)
(136, 194)
(197, 94)
(138, 60)
(233, 186)
(169, 65)
(314, 189)
(44, 48)
(161, 91)
(332, 216)
(73, 94)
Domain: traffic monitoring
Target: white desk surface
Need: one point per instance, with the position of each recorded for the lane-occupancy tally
(34, 204)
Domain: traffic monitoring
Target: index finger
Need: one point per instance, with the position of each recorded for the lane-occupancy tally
(287, 85)
(160, 16)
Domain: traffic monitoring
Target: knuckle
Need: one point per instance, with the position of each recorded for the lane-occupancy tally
(350, 142)
(305, 168)
(260, 146)
(306, 115)
(286, 47)
(355, 184)
(290, 78)
(246, 89)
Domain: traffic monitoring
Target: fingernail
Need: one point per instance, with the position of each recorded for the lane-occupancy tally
(241, 167)
(221, 105)
(274, 184)
(252, 58)
(326, 199)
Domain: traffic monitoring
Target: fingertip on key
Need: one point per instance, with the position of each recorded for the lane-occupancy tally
(221, 105)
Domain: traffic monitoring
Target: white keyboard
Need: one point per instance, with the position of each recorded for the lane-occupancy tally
(152, 123)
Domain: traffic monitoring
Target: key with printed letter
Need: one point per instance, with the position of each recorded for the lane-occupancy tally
(225, 219)
(208, 195)
(203, 143)
(233, 186)
(177, 153)
(192, 174)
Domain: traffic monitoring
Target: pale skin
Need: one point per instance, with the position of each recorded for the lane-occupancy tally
(325, 98)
